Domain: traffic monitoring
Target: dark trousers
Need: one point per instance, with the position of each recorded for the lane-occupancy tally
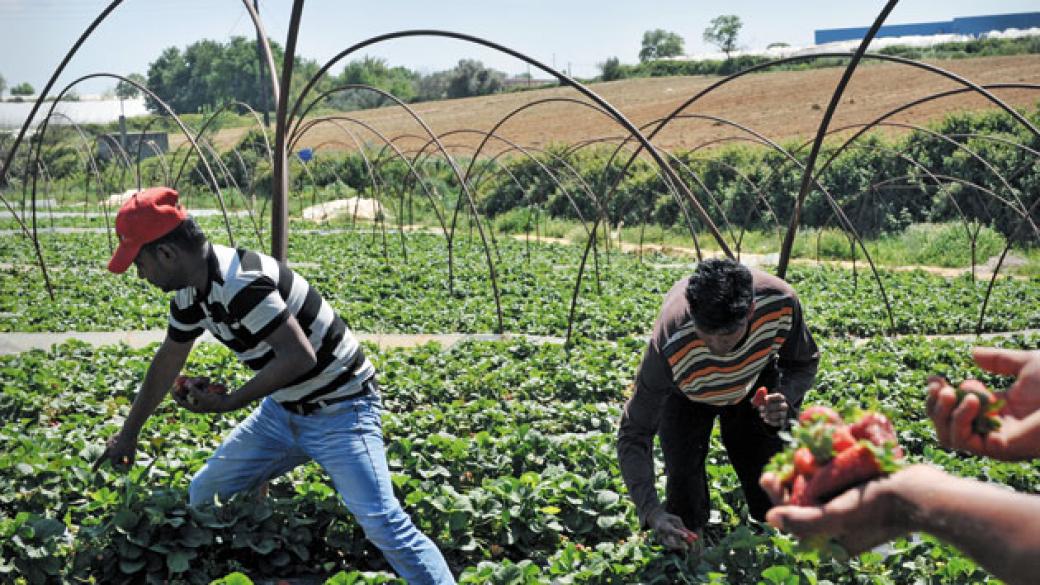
(685, 434)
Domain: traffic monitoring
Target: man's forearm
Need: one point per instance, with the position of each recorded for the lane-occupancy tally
(279, 373)
(636, 462)
(998, 528)
(795, 381)
(156, 384)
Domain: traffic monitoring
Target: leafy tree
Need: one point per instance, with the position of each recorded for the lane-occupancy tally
(3, 85)
(611, 69)
(723, 31)
(433, 86)
(374, 72)
(208, 74)
(127, 91)
(470, 78)
(23, 89)
(659, 43)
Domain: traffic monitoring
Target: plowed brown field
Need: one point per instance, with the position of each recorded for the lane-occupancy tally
(781, 105)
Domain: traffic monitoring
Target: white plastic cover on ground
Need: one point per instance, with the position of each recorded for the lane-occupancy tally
(368, 209)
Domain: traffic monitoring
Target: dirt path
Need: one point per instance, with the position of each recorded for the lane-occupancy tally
(15, 342)
(982, 272)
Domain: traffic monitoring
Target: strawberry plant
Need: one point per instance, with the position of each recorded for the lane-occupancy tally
(503, 452)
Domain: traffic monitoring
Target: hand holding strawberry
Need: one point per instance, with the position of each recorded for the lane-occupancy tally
(671, 532)
(198, 394)
(856, 520)
(828, 457)
(771, 407)
(973, 419)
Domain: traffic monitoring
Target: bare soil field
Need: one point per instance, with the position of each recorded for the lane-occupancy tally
(782, 105)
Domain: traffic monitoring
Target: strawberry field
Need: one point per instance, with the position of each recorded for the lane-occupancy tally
(502, 448)
(503, 452)
(387, 288)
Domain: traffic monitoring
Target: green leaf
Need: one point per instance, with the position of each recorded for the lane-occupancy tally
(235, 578)
(777, 574)
(179, 561)
(125, 520)
(607, 498)
(265, 546)
(131, 566)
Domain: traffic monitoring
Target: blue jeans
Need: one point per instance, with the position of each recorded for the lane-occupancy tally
(346, 439)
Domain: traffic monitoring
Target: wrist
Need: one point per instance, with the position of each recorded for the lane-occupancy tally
(654, 515)
(908, 492)
(234, 401)
(129, 432)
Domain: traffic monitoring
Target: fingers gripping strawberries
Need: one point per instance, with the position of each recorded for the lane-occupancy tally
(760, 397)
(828, 456)
(771, 407)
(185, 389)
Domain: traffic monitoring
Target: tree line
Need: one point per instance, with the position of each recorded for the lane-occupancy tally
(207, 74)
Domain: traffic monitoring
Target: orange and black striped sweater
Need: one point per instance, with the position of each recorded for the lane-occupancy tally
(676, 361)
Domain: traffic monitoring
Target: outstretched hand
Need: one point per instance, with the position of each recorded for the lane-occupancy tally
(120, 451)
(1017, 435)
(858, 519)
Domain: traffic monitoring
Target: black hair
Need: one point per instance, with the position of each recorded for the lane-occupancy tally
(720, 293)
(187, 236)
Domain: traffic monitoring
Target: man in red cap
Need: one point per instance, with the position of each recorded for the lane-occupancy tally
(318, 397)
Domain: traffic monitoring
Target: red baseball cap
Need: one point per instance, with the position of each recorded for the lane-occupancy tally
(147, 216)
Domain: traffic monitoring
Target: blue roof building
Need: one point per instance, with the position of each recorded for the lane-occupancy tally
(969, 25)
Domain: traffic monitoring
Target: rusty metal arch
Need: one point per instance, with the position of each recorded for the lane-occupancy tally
(542, 167)
(970, 86)
(962, 147)
(376, 183)
(815, 180)
(563, 79)
(389, 144)
(451, 162)
(262, 38)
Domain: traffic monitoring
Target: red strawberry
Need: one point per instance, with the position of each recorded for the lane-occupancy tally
(804, 462)
(852, 466)
(819, 411)
(216, 389)
(760, 397)
(690, 536)
(798, 491)
(180, 386)
(876, 428)
(842, 439)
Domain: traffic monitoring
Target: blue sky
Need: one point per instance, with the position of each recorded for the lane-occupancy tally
(35, 34)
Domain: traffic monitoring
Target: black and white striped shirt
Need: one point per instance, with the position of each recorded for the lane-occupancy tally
(248, 295)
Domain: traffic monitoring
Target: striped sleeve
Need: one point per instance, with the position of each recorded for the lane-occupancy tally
(185, 321)
(259, 307)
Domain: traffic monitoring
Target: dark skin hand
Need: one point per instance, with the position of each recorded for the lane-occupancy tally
(200, 401)
(774, 411)
(1018, 437)
(858, 519)
(293, 357)
(671, 533)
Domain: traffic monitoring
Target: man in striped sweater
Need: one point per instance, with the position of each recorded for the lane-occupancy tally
(318, 397)
(721, 334)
